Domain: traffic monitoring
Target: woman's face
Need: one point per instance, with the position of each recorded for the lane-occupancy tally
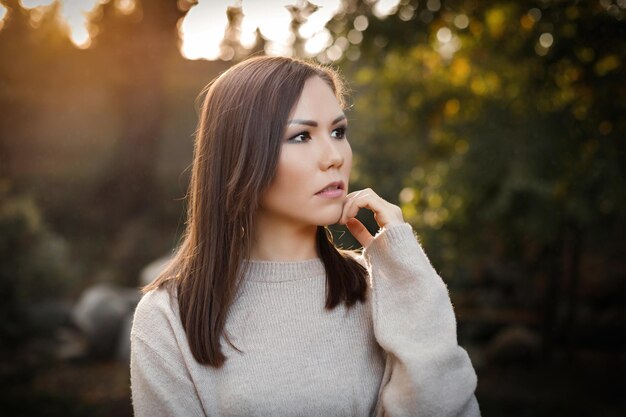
(315, 160)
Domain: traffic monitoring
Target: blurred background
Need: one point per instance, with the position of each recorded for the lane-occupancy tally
(498, 126)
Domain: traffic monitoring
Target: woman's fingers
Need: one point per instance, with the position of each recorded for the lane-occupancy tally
(366, 198)
(385, 213)
(359, 232)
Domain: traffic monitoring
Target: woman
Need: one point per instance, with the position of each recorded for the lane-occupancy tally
(259, 314)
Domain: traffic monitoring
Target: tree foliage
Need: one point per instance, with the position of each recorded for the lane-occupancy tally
(503, 135)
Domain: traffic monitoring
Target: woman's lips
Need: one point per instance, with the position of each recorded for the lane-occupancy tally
(330, 193)
(332, 190)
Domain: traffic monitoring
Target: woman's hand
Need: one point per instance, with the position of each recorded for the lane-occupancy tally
(385, 213)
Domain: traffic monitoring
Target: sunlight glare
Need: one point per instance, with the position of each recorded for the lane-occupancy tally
(314, 29)
(80, 37)
(318, 42)
(75, 15)
(248, 35)
(202, 30)
(31, 4)
(317, 21)
(273, 20)
(271, 17)
(3, 12)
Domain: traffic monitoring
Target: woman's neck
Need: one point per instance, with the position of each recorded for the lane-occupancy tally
(283, 241)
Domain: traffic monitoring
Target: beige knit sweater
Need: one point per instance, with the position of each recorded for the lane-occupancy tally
(396, 354)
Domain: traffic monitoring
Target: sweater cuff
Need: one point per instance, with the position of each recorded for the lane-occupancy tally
(394, 239)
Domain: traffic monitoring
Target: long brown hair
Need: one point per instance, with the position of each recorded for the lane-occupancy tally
(237, 146)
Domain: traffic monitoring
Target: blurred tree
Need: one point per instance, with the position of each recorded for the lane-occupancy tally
(503, 124)
(136, 48)
(22, 78)
(35, 268)
(84, 129)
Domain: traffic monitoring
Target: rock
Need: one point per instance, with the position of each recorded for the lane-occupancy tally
(514, 345)
(71, 344)
(100, 314)
(151, 271)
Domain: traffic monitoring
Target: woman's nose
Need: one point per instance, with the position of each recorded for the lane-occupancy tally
(331, 155)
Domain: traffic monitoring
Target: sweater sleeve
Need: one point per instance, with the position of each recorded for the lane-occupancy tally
(427, 373)
(160, 382)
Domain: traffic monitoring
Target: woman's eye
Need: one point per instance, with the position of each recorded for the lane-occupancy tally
(339, 133)
(300, 138)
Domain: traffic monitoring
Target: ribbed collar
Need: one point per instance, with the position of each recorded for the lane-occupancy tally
(273, 271)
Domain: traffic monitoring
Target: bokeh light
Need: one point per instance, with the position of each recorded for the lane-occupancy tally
(384, 8)
(360, 23)
(546, 39)
(433, 5)
(3, 12)
(461, 21)
(444, 35)
(447, 43)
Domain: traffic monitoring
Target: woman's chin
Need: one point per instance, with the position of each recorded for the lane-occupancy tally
(330, 220)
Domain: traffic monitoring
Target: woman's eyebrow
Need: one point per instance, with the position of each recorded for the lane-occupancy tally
(313, 123)
(339, 119)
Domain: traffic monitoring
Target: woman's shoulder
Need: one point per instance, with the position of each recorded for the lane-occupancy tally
(156, 307)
